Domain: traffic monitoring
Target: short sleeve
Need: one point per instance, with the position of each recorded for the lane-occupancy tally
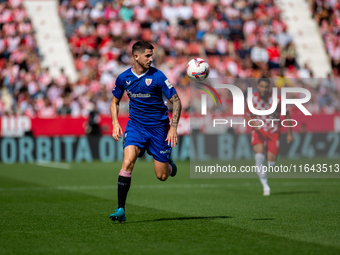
(118, 89)
(166, 87)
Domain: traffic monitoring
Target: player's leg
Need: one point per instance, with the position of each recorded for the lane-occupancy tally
(161, 152)
(259, 161)
(258, 146)
(134, 147)
(273, 148)
(273, 144)
(162, 170)
(131, 154)
(271, 159)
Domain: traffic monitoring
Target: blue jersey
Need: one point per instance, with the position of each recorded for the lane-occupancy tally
(147, 105)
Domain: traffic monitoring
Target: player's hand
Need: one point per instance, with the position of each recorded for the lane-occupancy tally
(290, 138)
(172, 137)
(117, 132)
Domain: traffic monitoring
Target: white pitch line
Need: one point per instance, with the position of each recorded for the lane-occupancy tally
(176, 186)
(53, 164)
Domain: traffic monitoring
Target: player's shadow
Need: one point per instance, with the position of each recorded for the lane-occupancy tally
(183, 218)
(295, 192)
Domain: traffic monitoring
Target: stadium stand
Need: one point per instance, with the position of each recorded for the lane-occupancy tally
(327, 15)
(19, 62)
(305, 33)
(50, 38)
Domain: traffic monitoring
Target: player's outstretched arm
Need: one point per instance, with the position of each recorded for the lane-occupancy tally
(117, 131)
(290, 137)
(176, 114)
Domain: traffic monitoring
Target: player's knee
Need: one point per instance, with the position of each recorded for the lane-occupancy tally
(162, 177)
(259, 158)
(128, 164)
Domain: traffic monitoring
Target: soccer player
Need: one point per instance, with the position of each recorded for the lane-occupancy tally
(266, 134)
(148, 127)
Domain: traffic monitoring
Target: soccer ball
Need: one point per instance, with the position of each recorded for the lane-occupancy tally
(198, 69)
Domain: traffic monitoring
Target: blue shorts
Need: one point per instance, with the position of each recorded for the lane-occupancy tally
(151, 139)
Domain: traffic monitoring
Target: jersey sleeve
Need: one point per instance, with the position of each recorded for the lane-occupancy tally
(166, 87)
(118, 89)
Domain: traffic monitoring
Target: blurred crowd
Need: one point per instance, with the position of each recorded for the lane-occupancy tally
(19, 62)
(327, 14)
(239, 39)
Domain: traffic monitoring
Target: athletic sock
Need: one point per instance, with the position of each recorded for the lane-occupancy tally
(259, 159)
(170, 169)
(124, 181)
(270, 164)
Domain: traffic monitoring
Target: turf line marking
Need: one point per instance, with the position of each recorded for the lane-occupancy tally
(183, 186)
(53, 164)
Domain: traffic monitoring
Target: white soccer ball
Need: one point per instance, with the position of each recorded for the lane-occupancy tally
(198, 69)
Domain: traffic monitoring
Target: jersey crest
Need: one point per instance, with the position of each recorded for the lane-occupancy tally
(148, 81)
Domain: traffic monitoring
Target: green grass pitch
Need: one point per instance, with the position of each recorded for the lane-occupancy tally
(49, 210)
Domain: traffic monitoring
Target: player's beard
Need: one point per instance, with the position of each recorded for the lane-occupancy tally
(264, 95)
(145, 66)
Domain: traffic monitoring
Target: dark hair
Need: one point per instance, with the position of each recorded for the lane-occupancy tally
(141, 46)
(267, 80)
